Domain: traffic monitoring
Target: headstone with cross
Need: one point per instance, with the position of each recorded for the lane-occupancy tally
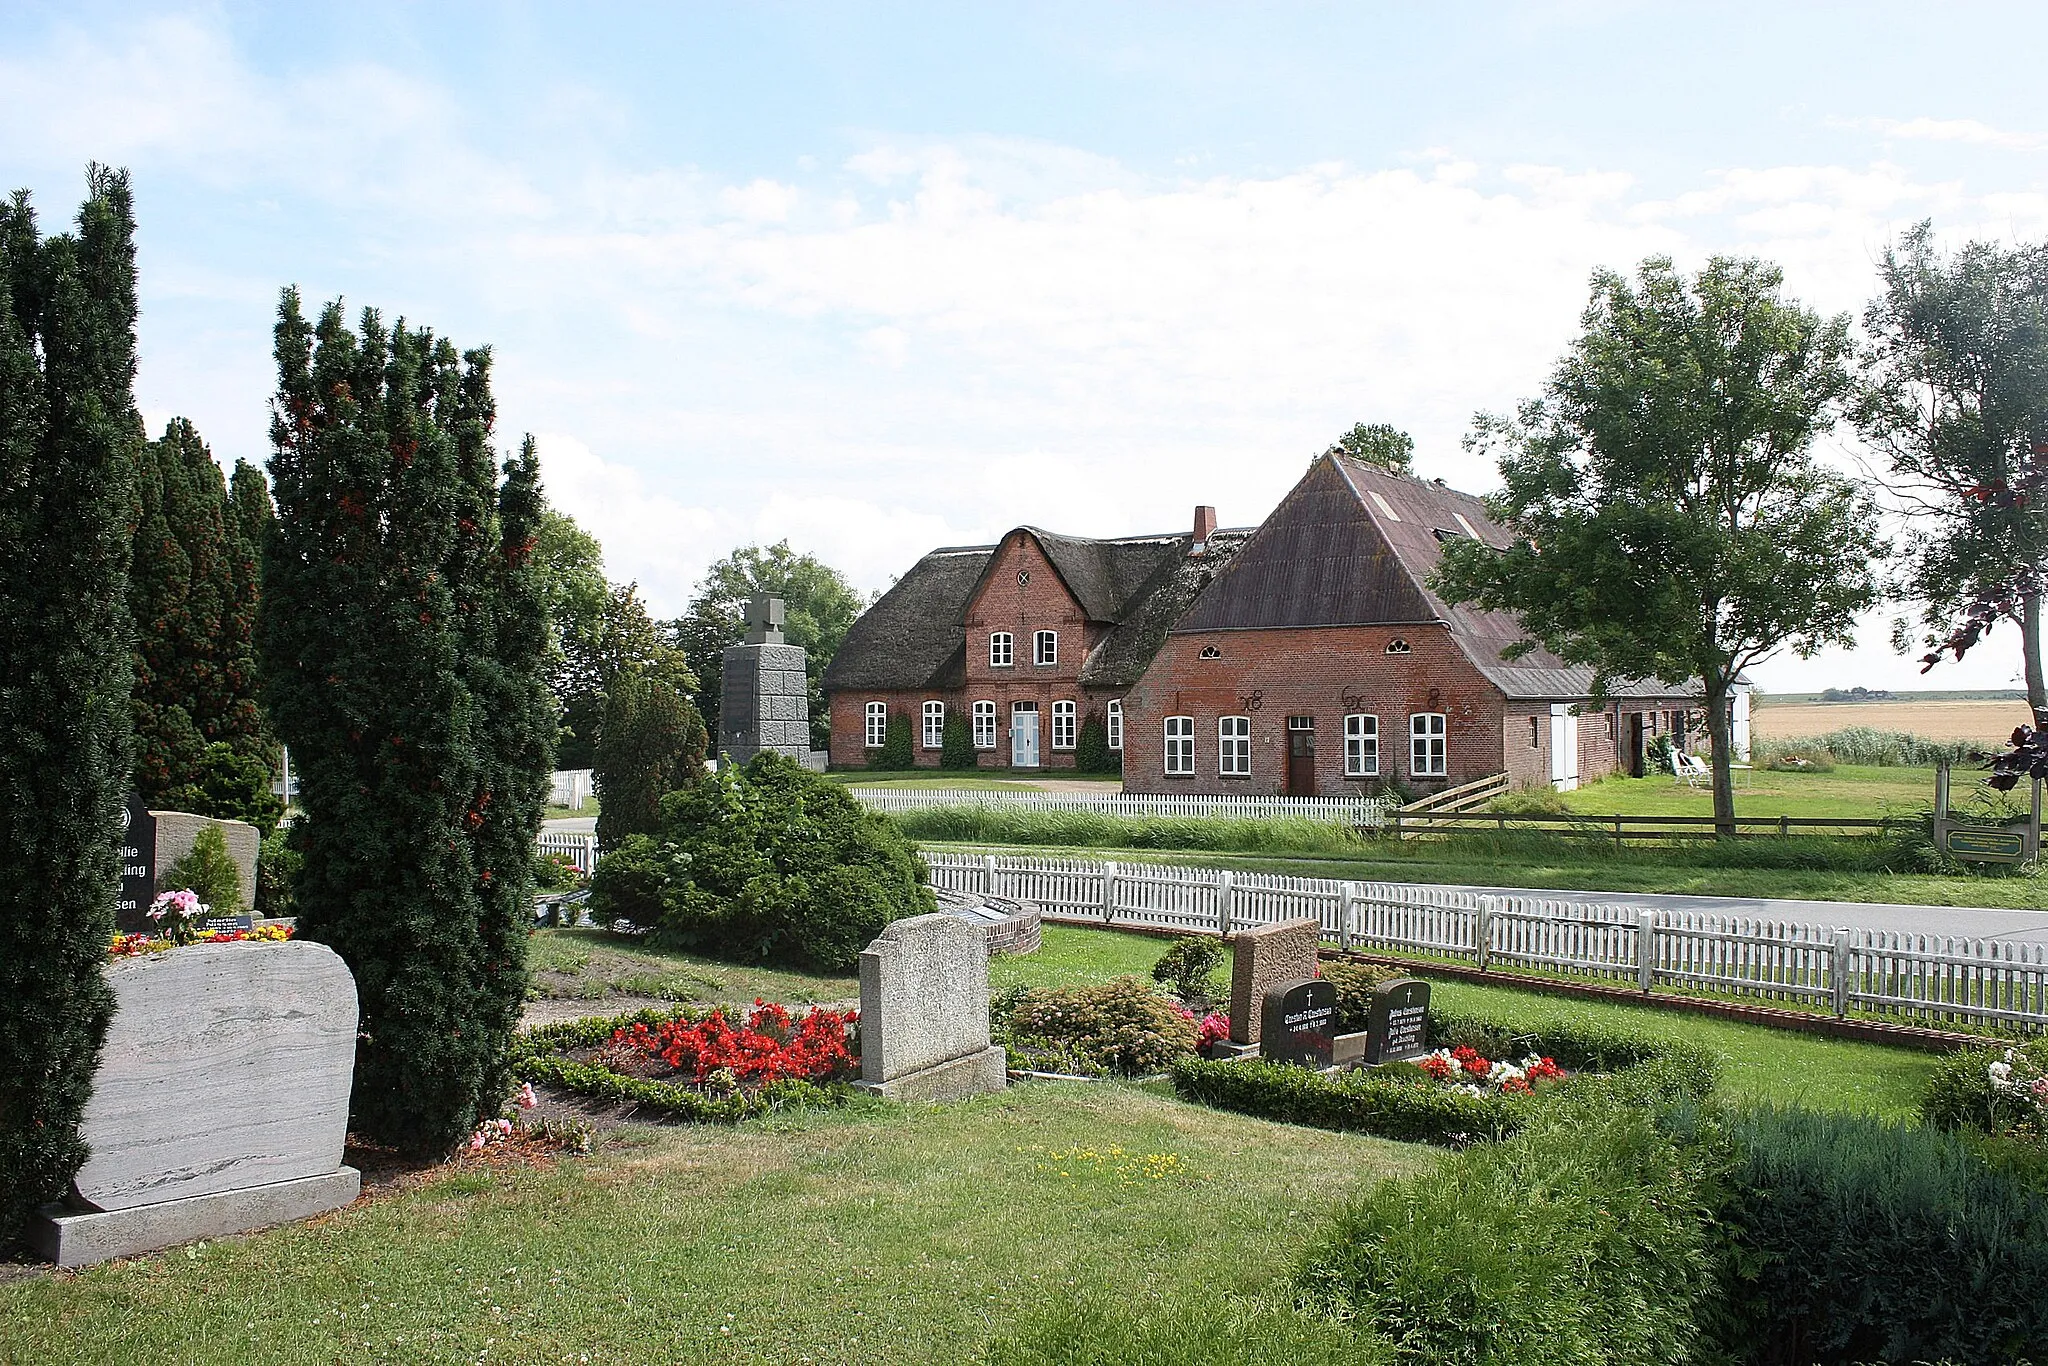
(764, 692)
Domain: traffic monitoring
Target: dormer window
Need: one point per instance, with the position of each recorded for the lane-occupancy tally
(1397, 646)
(1001, 650)
(1045, 647)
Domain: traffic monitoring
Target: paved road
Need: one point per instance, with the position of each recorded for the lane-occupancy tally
(570, 825)
(1973, 922)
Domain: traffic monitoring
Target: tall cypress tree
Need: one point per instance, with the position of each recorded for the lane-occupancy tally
(69, 437)
(402, 639)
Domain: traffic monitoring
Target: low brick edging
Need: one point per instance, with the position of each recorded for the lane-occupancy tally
(1774, 1017)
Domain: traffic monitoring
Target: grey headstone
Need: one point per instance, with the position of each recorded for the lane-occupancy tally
(1398, 1025)
(71, 1238)
(1300, 1022)
(225, 1066)
(1262, 958)
(924, 1011)
(176, 831)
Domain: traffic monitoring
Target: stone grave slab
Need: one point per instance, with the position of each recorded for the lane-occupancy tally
(1398, 1025)
(924, 1011)
(1299, 1022)
(177, 830)
(1261, 959)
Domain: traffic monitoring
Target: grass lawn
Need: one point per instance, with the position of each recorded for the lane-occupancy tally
(563, 813)
(590, 965)
(1851, 790)
(880, 1234)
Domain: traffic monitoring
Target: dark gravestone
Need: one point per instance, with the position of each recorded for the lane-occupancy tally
(1299, 1022)
(138, 869)
(1398, 1026)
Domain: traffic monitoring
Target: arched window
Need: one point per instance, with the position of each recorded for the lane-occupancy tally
(1045, 647)
(934, 725)
(1234, 746)
(1000, 650)
(1426, 757)
(878, 724)
(984, 725)
(1361, 746)
(1063, 725)
(1114, 724)
(1180, 746)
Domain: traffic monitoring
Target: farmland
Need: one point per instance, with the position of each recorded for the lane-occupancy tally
(1988, 720)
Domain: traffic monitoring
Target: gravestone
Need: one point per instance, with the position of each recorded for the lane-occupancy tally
(1261, 959)
(1398, 1026)
(1299, 1023)
(138, 869)
(924, 1011)
(176, 831)
(220, 1102)
(764, 694)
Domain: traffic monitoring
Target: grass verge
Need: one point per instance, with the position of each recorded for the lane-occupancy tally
(591, 965)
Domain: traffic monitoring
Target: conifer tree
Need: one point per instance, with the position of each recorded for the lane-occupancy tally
(69, 438)
(402, 641)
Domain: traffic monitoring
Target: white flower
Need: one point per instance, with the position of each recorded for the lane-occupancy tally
(2001, 1075)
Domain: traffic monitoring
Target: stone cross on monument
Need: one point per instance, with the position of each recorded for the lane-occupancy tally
(764, 695)
(764, 620)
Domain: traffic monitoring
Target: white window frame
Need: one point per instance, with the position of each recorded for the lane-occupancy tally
(1233, 746)
(934, 725)
(1361, 745)
(1045, 648)
(1428, 745)
(1064, 724)
(1179, 753)
(1113, 724)
(877, 733)
(1002, 650)
(984, 725)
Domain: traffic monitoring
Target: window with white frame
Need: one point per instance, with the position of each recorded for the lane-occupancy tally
(1114, 724)
(1063, 725)
(1234, 746)
(935, 725)
(1426, 745)
(1361, 746)
(1000, 650)
(1045, 647)
(984, 725)
(878, 724)
(1180, 745)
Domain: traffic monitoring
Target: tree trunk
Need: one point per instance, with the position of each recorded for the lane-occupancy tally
(2030, 646)
(1722, 748)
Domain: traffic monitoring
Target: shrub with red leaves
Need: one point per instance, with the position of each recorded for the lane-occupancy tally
(766, 1045)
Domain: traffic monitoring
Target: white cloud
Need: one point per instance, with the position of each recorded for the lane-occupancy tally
(1954, 130)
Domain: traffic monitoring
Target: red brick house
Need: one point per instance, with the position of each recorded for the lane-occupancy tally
(1026, 640)
(1319, 662)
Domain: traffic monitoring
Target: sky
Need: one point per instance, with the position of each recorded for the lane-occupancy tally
(879, 278)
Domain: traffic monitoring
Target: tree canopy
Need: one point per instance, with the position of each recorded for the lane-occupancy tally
(819, 607)
(1379, 444)
(1668, 519)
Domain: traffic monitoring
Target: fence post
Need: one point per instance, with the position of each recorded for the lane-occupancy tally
(988, 874)
(1108, 891)
(1838, 972)
(1482, 931)
(1347, 905)
(1646, 949)
(1226, 896)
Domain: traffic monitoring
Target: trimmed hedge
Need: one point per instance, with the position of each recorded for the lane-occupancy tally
(537, 1055)
(1397, 1103)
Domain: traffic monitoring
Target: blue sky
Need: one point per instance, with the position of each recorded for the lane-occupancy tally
(878, 278)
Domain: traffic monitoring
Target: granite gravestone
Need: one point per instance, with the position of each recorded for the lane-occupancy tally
(1398, 1025)
(924, 1012)
(1300, 1022)
(1261, 959)
(138, 868)
(764, 693)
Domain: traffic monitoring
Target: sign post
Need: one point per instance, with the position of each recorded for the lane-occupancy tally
(1984, 843)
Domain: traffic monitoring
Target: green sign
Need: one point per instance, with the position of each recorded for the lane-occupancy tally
(1987, 844)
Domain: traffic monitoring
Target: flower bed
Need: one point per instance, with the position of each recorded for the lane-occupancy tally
(1466, 1069)
(697, 1064)
(137, 945)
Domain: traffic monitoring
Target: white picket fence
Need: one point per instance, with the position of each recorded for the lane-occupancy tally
(581, 849)
(1361, 811)
(1907, 978)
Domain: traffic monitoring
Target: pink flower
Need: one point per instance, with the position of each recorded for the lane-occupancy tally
(476, 1141)
(527, 1099)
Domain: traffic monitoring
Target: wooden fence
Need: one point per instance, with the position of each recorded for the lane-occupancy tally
(581, 849)
(1408, 821)
(1907, 978)
(1361, 811)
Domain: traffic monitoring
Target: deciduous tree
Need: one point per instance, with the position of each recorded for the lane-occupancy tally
(1377, 443)
(1669, 521)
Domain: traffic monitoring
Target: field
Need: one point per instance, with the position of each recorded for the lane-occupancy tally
(1985, 720)
(1850, 790)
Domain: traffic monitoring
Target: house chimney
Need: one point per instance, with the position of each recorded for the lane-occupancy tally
(1205, 527)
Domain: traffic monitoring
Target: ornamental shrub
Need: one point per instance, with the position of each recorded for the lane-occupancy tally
(1118, 1026)
(208, 869)
(69, 436)
(404, 640)
(895, 754)
(957, 750)
(1092, 753)
(277, 870)
(1967, 1093)
(1582, 1241)
(1356, 983)
(1849, 1239)
(1189, 971)
(767, 864)
(650, 743)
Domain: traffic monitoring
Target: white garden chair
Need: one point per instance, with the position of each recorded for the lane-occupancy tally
(1689, 769)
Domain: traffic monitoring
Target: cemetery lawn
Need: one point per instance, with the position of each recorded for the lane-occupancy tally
(590, 965)
(875, 1234)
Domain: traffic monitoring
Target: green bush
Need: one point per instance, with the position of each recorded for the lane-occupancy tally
(1201, 1328)
(1188, 970)
(1356, 984)
(1851, 1240)
(895, 754)
(277, 870)
(1118, 1026)
(1800, 759)
(1960, 1095)
(1092, 753)
(1531, 801)
(957, 747)
(1872, 748)
(1583, 1240)
(1577, 1046)
(208, 870)
(766, 864)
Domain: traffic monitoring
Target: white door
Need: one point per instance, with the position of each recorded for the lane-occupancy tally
(1024, 735)
(1564, 748)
